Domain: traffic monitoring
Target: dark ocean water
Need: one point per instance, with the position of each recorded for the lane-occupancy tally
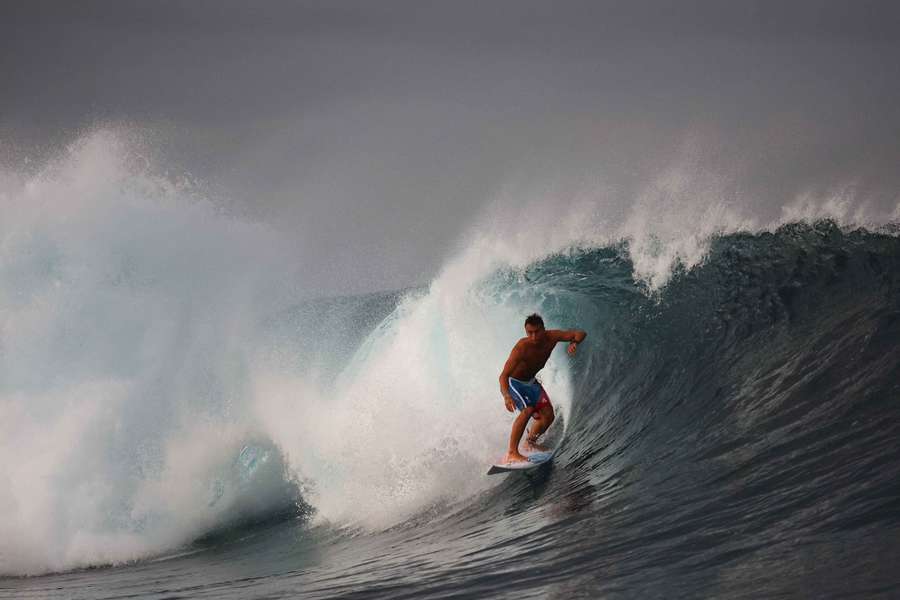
(732, 435)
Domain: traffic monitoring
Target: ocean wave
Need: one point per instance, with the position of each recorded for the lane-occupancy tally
(151, 349)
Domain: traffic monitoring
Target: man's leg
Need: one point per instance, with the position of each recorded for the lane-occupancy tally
(518, 428)
(543, 418)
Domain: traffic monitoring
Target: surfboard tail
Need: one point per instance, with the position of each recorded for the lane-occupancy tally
(534, 460)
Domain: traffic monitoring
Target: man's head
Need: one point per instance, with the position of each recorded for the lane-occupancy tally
(534, 327)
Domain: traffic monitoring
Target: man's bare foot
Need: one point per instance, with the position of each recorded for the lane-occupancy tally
(512, 457)
(535, 447)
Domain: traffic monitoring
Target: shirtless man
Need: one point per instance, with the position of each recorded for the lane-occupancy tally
(522, 392)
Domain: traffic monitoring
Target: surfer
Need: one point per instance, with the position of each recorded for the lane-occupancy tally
(522, 391)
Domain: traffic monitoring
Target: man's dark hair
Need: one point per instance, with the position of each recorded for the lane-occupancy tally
(534, 319)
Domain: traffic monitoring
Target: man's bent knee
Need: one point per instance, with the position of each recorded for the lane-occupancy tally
(547, 414)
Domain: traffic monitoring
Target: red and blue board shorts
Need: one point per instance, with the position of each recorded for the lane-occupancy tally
(528, 393)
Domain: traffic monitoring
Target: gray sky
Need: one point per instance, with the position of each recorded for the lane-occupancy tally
(373, 132)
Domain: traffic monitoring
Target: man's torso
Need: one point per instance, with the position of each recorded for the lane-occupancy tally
(531, 359)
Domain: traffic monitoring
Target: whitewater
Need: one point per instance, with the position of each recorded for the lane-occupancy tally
(183, 415)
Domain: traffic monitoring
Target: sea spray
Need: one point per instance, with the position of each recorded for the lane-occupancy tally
(127, 309)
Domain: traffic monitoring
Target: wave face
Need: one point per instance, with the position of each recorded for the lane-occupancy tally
(728, 432)
(736, 432)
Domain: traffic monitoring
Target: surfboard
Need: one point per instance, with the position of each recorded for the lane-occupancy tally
(535, 460)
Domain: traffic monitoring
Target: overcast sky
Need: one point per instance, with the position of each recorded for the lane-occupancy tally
(373, 132)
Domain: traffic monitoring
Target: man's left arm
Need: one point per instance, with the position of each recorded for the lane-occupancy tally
(574, 336)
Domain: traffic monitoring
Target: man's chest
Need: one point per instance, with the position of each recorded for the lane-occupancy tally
(536, 355)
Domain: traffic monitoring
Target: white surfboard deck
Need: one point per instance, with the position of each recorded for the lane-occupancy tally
(535, 460)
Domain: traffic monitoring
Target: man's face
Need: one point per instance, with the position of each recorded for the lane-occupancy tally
(535, 333)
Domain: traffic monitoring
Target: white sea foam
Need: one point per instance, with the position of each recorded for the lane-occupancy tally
(414, 418)
(125, 304)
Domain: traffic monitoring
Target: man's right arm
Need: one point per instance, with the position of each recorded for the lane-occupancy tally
(504, 378)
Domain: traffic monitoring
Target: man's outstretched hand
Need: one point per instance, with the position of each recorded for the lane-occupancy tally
(572, 348)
